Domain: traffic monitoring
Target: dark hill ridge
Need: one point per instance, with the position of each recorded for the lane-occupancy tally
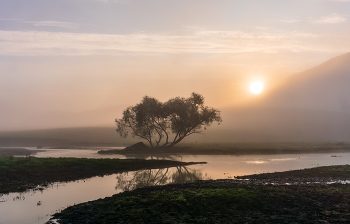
(325, 87)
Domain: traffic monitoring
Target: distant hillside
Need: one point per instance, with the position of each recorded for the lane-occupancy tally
(325, 87)
(283, 124)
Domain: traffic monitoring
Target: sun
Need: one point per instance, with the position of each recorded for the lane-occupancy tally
(256, 87)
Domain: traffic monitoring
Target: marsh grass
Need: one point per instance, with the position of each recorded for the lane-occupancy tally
(22, 173)
(225, 201)
(322, 174)
(216, 202)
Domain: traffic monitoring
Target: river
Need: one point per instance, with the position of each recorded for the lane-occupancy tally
(36, 207)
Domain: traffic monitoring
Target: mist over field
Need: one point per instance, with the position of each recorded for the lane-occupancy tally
(76, 66)
(308, 106)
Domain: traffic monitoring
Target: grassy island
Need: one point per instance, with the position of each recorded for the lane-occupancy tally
(224, 201)
(22, 173)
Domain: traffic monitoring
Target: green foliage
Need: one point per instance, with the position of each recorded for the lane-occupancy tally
(155, 121)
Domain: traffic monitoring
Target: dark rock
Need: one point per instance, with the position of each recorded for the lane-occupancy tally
(137, 146)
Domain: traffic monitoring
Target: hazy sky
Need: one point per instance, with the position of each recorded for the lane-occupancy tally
(81, 62)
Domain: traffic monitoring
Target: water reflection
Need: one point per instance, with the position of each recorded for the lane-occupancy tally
(37, 206)
(152, 177)
(154, 156)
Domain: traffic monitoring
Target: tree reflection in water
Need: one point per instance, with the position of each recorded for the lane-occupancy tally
(151, 177)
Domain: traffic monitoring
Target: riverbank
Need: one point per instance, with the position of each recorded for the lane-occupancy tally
(244, 148)
(317, 175)
(225, 201)
(18, 174)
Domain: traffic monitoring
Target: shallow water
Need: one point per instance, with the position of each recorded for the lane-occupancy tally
(36, 207)
(226, 166)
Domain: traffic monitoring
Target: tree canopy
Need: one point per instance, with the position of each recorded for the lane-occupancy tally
(168, 123)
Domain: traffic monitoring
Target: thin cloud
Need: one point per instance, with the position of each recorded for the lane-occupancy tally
(331, 19)
(201, 41)
(67, 25)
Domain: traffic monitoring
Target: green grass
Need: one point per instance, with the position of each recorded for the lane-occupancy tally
(22, 173)
(311, 174)
(216, 202)
(224, 201)
(13, 164)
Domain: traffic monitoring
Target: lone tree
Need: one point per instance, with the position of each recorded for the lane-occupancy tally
(159, 122)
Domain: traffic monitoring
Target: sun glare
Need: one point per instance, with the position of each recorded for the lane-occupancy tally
(256, 87)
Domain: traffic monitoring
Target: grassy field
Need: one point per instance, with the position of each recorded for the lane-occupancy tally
(221, 201)
(320, 174)
(22, 173)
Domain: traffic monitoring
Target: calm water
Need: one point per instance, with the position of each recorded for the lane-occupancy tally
(36, 207)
